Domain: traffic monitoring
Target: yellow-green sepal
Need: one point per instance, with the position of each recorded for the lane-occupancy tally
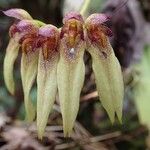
(70, 78)
(29, 64)
(109, 80)
(9, 60)
(46, 90)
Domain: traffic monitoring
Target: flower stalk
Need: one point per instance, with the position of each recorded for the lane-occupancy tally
(85, 6)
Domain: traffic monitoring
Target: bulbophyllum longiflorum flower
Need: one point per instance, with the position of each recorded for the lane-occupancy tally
(57, 61)
(71, 68)
(23, 35)
(47, 74)
(105, 65)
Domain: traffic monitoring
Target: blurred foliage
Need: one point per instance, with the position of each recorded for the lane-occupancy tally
(96, 6)
(142, 87)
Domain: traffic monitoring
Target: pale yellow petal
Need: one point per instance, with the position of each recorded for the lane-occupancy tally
(46, 90)
(109, 79)
(29, 63)
(70, 76)
(9, 60)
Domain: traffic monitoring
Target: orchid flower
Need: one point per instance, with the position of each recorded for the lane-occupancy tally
(23, 36)
(105, 65)
(47, 74)
(13, 47)
(71, 68)
(55, 57)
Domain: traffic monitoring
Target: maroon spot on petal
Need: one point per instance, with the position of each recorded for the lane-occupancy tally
(48, 40)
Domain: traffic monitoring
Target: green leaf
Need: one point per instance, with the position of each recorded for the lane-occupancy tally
(29, 64)
(109, 79)
(46, 90)
(142, 88)
(9, 60)
(70, 76)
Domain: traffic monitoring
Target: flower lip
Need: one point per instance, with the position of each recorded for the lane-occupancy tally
(72, 29)
(72, 15)
(73, 32)
(97, 31)
(29, 44)
(99, 21)
(27, 35)
(48, 41)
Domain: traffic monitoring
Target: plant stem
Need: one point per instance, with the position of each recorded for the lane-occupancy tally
(40, 23)
(84, 7)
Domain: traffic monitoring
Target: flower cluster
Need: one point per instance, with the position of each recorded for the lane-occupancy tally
(54, 58)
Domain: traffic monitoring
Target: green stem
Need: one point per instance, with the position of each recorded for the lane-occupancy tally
(40, 23)
(84, 7)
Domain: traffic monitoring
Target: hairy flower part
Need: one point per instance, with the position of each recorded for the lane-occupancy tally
(47, 74)
(105, 65)
(71, 69)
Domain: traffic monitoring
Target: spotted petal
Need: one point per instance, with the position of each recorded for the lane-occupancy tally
(29, 63)
(47, 76)
(47, 88)
(108, 78)
(70, 76)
